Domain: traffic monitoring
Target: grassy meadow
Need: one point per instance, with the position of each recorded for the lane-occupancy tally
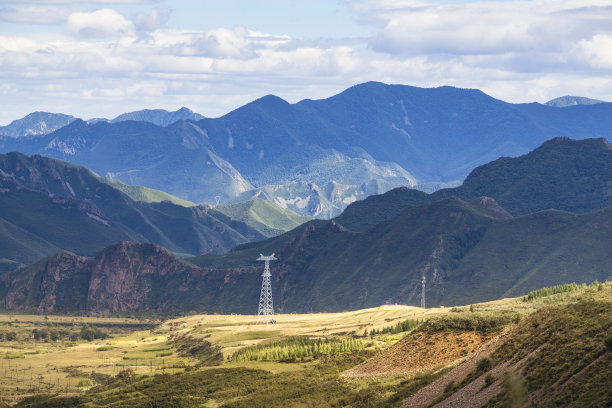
(229, 360)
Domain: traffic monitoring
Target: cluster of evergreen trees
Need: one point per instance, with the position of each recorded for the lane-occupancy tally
(401, 327)
(296, 347)
(552, 290)
(87, 332)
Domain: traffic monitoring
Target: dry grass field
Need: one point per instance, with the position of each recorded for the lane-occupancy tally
(68, 366)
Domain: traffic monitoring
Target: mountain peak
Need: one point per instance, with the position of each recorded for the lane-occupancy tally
(36, 123)
(568, 100)
(159, 117)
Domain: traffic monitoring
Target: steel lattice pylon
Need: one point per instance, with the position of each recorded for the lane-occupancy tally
(423, 291)
(265, 312)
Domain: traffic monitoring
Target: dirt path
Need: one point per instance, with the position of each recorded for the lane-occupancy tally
(428, 394)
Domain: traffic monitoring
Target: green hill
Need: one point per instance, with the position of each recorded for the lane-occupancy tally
(564, 174)
(145, 194)
(47, 205)
(264, 216)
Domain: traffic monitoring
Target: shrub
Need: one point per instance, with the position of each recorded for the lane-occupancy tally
(489, 379)
(608, 342)
(90, 333)
(449, 387)
(84, 383)
(484, 323)
(484, 364)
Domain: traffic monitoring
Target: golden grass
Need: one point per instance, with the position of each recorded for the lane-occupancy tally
(58, 366)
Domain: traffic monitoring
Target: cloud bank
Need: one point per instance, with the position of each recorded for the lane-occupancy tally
(518, 51)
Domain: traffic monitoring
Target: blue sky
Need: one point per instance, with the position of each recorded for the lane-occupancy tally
(101, 58)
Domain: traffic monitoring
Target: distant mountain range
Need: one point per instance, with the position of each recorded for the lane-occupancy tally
(47, 205)
(42, 123)
(470, 249)
(316, 157)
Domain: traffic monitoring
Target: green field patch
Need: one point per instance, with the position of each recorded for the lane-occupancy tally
(250, 335)
(11, 356)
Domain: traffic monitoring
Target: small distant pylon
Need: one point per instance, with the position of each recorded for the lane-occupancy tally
(423, 292)
(265, 312)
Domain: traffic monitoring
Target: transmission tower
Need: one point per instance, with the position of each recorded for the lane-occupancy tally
(265, 311)
(423, 291)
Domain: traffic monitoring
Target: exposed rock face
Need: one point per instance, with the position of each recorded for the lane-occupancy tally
(124, 277)
(47, 279)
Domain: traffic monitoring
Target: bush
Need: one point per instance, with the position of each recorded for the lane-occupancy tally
(10, 336)
(489, 379)
(84, 383)
(90, 333)
(449, 387)
(481, 322)
(484, 364)
(608, 342)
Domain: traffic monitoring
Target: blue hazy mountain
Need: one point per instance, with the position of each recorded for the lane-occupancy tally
(36, 123)
(322, 154)
(159, 117)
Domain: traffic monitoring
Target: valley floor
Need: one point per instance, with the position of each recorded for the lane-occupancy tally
(546, 350)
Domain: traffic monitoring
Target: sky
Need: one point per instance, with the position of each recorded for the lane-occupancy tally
(101, 58)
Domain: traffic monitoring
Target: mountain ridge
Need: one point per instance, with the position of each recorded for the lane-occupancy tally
(570, 175)
(467, 252)
(392, 135)
(48, 205)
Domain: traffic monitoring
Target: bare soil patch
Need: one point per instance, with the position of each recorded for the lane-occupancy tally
(418, 352)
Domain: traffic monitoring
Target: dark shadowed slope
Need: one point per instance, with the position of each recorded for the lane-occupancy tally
(565, 174)
(48, 205)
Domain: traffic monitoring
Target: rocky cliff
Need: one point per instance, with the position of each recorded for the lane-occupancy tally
(124, 277)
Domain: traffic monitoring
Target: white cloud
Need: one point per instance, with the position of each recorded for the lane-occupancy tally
(518, 51)
(100, 24)
(35, 14)
(74, 2)
(598, 50)
(411, 28)
(153, 20)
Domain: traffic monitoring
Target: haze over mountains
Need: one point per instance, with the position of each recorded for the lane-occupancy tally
(41, 123)
(470, 248)
(47, 205)
(316, 157)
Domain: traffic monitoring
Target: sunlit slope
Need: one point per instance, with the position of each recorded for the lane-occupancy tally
(264, 216)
